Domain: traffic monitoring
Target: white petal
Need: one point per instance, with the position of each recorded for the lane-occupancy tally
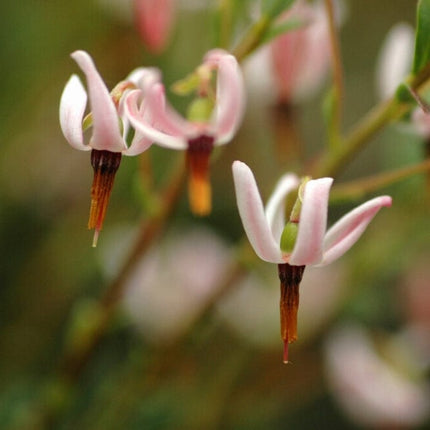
(106, 132)
(395, 59)
(252, 214)
(145, 128)
(275, 209)
(312, 225)
(144, 77)
(72, 108)
(230, 97)
(350, 227)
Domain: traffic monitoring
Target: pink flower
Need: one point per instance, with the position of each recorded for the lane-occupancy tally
(154, 21)
(156, 120)
(301, 58)
(313, 246)
(108, 134)
(109, 128)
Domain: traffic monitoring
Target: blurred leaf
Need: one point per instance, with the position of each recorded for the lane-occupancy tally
(422, 37)
(273, 8)
(277, 30)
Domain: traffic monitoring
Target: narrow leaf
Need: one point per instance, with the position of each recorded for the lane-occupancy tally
(277, 30)
(422, 37)
(273, 8)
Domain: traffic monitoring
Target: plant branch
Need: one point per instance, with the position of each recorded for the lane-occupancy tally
(357, 189)
(336, 126)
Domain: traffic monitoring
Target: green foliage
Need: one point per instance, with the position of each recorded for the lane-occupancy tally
(273, 8)
(422, 37)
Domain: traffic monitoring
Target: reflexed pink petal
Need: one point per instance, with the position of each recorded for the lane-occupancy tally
(164, 117)
(72, 108)
(350, 227)
(312, 226)
(106, 132)
(143, 77)
(275, 209)
(230, 97)
(252, 214)
(143, 126)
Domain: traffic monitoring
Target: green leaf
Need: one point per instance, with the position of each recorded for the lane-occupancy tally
(422, 37)
(279, 29)
(273, 8)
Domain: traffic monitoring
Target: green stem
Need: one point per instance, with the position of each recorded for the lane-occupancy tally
(336, 125)
(226, 20)
(252, 38)
(357, 189)
(333, 162)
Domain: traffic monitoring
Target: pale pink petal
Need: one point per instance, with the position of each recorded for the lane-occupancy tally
(144, 77)
(312, 225)
(275, 207)
(72, 108)
(350, 227)
(164, 117)
(143, 125)
(106, 132)
(252, 214)
(230, 97)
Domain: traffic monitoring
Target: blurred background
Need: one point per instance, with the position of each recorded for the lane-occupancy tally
(177, 354)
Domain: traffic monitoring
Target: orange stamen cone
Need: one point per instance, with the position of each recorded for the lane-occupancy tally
(199, 188)
(290, 277)
(105, 165)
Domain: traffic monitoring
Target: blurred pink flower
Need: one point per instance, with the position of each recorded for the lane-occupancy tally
(370, 389)
(171, 284)
(301, 58)
(313, 246)
(158, 122)
(154, 20)
(395, 59)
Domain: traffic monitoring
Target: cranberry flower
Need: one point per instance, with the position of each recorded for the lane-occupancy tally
(109, 128)
(304, 239)
(212, 122)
